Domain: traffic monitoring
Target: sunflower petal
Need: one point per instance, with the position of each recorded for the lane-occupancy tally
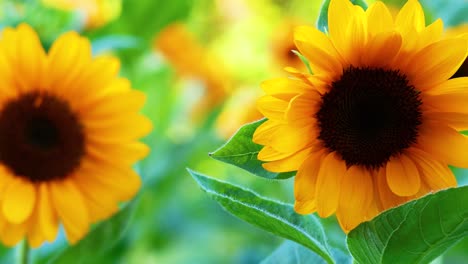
(388, 199)
(47, 217)
(305, 184)
(356, 197)
(71, 209)
(379, 18)
(444, 143)
(19, 200)
(437, 175)
(403, 176)
(329, 181)
(411, 17)
(436, 63)
(291, 163)
(390, 41)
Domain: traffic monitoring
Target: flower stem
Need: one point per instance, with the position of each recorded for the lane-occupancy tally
(23, 254)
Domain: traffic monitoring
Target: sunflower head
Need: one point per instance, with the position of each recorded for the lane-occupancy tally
(377, 122)
(69, 130)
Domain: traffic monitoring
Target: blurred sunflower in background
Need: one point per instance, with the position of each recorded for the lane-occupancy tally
(192, 61)
(95, 13)
(377, 122)
(68, 137)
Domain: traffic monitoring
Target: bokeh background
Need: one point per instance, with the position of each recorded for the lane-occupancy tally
(201, 64)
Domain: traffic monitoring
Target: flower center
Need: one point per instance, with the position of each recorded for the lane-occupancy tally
(41, 139)
(369, 115)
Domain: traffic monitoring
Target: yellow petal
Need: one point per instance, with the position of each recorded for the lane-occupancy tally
(270, 154)
(436, 63)
(319, 60)
(292, 138)
(379, 18)
(318, 40)
(291, 163)
(265, 132)
(31, 57)
(125, 183)
(302, 108)
(387, 197)
(444, 143)
(411, 17)
(121, 156)
(284, 88)
(458, 121)
(329, 183)
(305, 184)
(403, 176)
(19, 200)
(340, 13)
(47, 217)
(356, 197)
(390, 41)
(67, 59)
(435, 174)
(108, 131)
(12, 234)
(71, 209)
(272, 108)
(430, 34)
(357, 37)
(455, 86)
(100, 198)
(105, 107)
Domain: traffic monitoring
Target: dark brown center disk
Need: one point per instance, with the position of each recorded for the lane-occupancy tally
(369, 115)
(41, 139)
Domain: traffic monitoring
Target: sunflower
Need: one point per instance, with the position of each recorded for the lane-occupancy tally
(68, 137)
(97, 13)
(282, 46)
(193, 61)
(378, 121)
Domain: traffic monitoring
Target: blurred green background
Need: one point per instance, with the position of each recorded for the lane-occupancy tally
(200, 64)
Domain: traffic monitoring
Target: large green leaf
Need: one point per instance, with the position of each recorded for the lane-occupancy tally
(242, 152)
(416, 232)
(293, 253)
(98, 241)
(322, 22)
(272, 216)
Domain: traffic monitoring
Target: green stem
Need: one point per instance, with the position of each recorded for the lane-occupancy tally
(23, 254)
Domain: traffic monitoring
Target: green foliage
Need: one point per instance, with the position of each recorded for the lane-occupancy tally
(240, 151)
(101, 239)
(416, 232)
(272, 216)
(293, 253)
(322, 22)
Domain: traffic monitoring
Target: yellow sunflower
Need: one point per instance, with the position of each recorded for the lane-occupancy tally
(96, 13)
(282, 46)
(68, 137)
(377, 122)
(193, 61)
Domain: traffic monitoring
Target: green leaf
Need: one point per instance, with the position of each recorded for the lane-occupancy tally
(416, 232)
(99, 240)
(304, 60)
(322, 22)
(293, 253)
(272, 216)
(240, 151)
